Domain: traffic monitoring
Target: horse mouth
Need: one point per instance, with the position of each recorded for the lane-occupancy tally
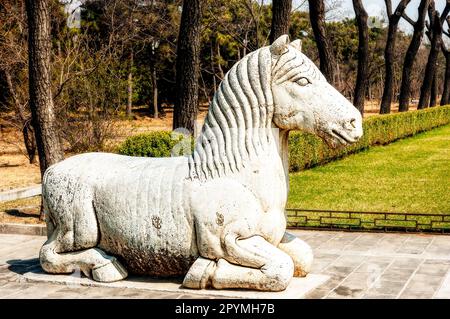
(342, 137)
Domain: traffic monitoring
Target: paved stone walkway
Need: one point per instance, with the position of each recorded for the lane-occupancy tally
(360, 265)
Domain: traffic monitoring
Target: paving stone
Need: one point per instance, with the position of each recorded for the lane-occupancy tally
(352, 261)
(412, 294)
(361, 281)
(424, 283)
(378, 296)
(386, 287)
(433, 269)
(372, 266)
(397, 274)
(414, 249)
(340, 270)
(420, 239)
(406, 263)
(344, 292)
(317, 294)
(358, 248)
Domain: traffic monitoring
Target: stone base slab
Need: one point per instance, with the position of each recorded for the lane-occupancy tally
(297, 289)
(23, 229)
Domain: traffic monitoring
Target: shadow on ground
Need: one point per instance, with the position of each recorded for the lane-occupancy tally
(21, 266)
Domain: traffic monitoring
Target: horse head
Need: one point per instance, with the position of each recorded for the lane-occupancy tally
(304, 100)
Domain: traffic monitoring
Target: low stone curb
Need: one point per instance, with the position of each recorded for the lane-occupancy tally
(22, 229)
(20, 193)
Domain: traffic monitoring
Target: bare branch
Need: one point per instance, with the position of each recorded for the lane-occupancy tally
(408, 19)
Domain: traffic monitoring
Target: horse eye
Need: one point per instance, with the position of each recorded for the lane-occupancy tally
(303, 81)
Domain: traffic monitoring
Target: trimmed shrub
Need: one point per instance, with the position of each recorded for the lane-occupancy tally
(153, 144)
(307, 150)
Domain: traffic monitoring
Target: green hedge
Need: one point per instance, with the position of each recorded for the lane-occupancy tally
(307, 150)
(153, 144)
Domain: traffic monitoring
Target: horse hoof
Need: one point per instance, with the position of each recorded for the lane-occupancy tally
(200, 273)
(109, 272)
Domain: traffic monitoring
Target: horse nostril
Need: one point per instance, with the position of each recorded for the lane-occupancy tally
(352, 123)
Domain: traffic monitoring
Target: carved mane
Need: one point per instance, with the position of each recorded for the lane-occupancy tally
(239, 121)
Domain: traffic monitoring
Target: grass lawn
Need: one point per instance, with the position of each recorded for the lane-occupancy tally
(410, 175)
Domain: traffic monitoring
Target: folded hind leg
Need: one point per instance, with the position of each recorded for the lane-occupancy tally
(93, 262)
(69, 248)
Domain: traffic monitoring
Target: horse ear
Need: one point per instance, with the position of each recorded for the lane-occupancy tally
(280, 45)
(297, 44)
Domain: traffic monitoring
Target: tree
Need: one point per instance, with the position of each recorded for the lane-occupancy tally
(281, 12)
(411, 53)
(363, 55)
(326, 54)
(394, 18)
(188, 66)
(13, 68)
(435, 28)
(445, 99)
(49, 147)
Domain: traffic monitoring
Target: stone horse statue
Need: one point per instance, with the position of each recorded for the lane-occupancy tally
(217, 216)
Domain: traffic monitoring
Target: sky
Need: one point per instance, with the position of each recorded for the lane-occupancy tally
(373, 8)
(378, 8)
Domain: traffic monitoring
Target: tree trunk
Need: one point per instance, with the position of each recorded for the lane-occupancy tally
(187, 66)
(445, 99)
(430, 70)
(130, 87)
(386, 99)
(281, 13)
(363, 55)
(41, 103)
(154, 89)
(324, 46)
(435, 35)
(394, 19)
(434, 90)
(410, 57)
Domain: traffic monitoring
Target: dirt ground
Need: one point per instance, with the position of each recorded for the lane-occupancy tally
(17, 172)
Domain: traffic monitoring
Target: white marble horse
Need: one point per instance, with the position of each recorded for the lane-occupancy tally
(216, 217)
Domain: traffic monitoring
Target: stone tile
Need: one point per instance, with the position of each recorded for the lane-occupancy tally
(318, 266)
(412, 294)
(397, 274)
(339, 270)
(331, 284)
(444, 295)
(343, 292)
(386, 287)
(372, 266)
(412, 248)
(420, 239)
(35, 291)
(358, 248)
(361, 281)
(437, 262)
(378, 296)
(317, 294)
(424, 283)
(433, 269)
(444, 289)
(352, 261)
(406, 263)
(12, 288)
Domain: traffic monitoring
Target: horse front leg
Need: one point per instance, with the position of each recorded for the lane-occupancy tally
(300, 252)
(251, 263)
